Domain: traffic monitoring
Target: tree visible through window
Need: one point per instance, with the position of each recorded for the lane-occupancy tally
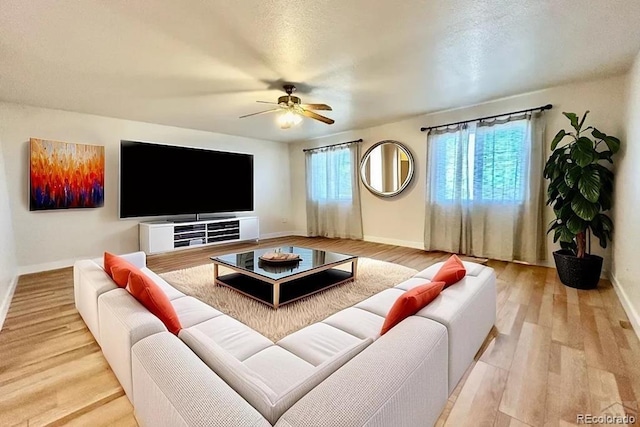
(483, 164)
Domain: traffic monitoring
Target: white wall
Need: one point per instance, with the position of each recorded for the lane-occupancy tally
(8, 268)
(626, 265)
(50, 239)
(400, 220)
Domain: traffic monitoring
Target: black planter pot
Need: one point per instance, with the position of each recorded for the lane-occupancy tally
(580, 273)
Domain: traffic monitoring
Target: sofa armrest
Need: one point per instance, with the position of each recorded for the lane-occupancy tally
(123, 322)
(89, 282)
(401, 379)
(139, 259)
(173, 387)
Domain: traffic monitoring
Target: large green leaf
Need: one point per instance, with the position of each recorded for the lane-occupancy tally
(572, 176)
(556, 140)
(564, 189)
(563, 234)
(576, 224)
(597, 134)
(605, 200)
(554, 224)
(564, 213)
(612, 142)
(607, 224)
(583, 152)
(574, 120)
(589, 184)
(584, 208)
(605, 155)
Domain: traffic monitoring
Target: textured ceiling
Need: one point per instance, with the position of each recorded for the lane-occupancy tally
(200, 64)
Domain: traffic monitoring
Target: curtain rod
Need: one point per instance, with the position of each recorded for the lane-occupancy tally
(542, 108)
(332, 145)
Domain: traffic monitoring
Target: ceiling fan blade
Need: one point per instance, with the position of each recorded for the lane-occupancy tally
(267, 102)
(260, 112)
(315, 116)
(316, 107)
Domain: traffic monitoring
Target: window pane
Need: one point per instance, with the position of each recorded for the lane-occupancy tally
(486, 164)
(331, 175)
(501, 156)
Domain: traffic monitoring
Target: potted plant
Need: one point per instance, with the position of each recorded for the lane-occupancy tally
(580, 190)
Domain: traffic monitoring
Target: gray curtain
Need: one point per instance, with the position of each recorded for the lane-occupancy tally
(333, 192)
(485, 193)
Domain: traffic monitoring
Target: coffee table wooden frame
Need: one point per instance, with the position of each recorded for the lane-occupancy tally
(277, 282)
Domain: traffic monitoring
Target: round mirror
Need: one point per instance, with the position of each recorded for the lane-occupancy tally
(387, 168)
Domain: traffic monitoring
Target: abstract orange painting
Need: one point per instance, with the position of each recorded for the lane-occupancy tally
(65, 175)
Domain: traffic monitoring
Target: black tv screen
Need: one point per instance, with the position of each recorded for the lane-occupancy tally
(157, 179)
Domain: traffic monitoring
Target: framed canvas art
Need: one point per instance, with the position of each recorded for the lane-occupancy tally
(65, 175)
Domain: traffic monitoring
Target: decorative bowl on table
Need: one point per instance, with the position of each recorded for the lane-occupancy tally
(279, 258)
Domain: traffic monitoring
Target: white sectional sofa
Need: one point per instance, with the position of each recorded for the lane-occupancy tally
(337, 372)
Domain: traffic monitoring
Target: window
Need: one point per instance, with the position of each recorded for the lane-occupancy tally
(483, 163)
(331, 173)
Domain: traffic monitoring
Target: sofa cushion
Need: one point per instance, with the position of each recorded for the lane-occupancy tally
(317, 343)
(411, 283)
(118, 268)
(153, 299)
(254, 379)
(473, 269)
(399, 380)
(171, 292)
(357, 322)
(451, 272)
(279, 368)
(174, 388)
(192, 311)
(239, 340)
(410, 302)
(381, 302)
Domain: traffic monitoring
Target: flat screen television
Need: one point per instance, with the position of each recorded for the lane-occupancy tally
(158, 179)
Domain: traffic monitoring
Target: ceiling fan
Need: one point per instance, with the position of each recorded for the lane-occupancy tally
(292, 110)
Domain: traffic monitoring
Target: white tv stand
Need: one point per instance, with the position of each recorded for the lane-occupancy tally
(166, 236)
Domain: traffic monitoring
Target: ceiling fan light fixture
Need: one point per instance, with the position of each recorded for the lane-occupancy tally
(288, 119)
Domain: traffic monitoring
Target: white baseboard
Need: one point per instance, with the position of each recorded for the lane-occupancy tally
(6, 302)
(37, 268)
(278, 234)
(396, 242)
(632, 313)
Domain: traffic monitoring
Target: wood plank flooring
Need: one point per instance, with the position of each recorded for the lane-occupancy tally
(555, 351)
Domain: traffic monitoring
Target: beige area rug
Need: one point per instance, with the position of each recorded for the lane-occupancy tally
(373, 277)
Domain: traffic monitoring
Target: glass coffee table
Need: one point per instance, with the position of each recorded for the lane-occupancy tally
(279, 284)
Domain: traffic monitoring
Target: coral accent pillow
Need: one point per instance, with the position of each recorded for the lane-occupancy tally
(118, 268)
(145, 290)
(451, 272)
(410, 303)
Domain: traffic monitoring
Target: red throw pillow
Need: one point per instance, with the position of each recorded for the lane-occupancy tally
(118, 268)
(410, 303)
(451, 272)
(153, 299)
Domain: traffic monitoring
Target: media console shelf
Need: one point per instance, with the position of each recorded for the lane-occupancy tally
(165, 236)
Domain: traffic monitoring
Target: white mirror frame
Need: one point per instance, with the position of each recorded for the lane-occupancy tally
(406, 183)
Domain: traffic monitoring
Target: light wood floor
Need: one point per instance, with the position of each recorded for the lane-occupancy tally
(555, 351)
